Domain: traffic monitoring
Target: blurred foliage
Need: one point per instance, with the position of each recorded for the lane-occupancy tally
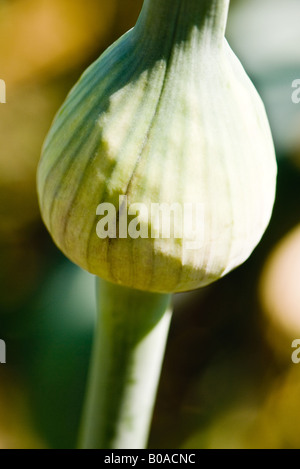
(45, 37)
(265, 35)
(228, 379)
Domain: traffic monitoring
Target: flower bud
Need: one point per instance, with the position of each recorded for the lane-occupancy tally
(165, 127)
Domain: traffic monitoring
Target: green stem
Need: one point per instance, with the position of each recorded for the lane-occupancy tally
(161, 18)
(127, 358)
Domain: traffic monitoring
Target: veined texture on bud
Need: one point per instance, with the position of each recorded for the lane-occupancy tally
(167, 115)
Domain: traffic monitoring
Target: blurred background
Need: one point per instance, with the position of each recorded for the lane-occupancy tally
(228, 379)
